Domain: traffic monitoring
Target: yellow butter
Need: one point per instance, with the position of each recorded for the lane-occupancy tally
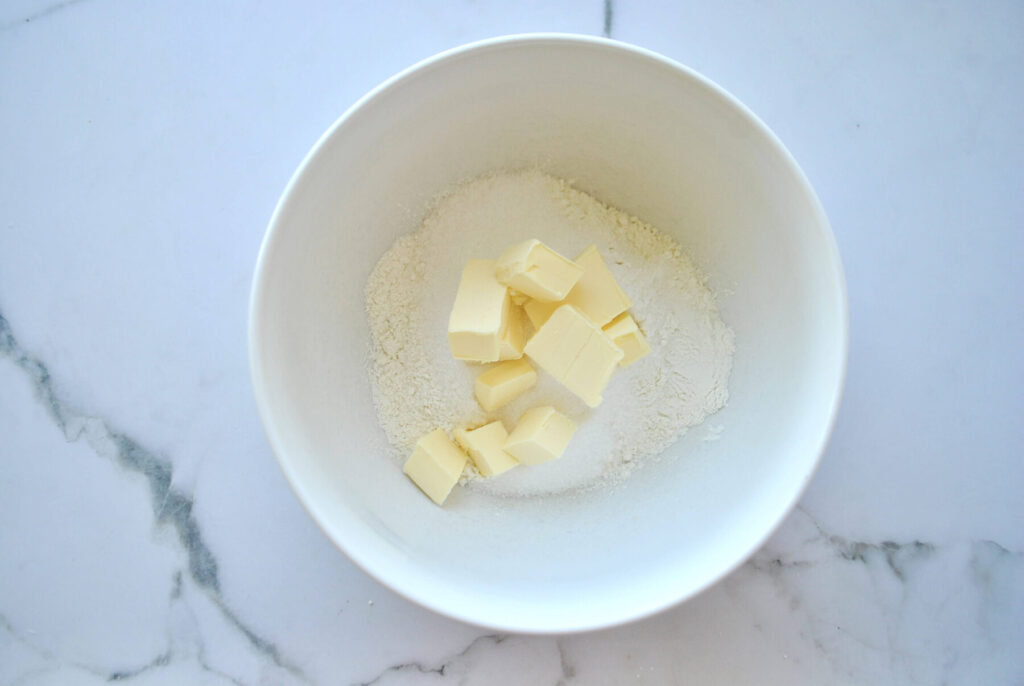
(435, 465)
(542, 434)
(503, 383)
(517, 297)
(558, 342)
(486, 447)
(513, 339)
(625, 333)
(538, 311)
(538, 271)
(593, 368)
(576, 352)
(479, 316)
(597, 294)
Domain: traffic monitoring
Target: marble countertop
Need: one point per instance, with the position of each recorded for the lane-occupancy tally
(146, 533)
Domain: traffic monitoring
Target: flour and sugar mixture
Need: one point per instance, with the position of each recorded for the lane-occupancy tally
(418, 386)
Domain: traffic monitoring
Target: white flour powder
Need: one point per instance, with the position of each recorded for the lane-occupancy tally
(419, 387)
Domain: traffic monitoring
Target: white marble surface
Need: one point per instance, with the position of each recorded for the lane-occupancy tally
(146, 534)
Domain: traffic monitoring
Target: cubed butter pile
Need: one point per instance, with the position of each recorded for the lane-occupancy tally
(569, 317)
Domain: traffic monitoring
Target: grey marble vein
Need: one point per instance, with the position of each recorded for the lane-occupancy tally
(54, 663)
(609, 18)
(39, 14)
(896, 555)
(161, 660)
(568, 668)
(51, 659)
(440, 668)
(171, 507)
(176, 596)
(808, 572)
(987, 557)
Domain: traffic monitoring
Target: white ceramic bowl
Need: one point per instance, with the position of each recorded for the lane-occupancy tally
(642, 133)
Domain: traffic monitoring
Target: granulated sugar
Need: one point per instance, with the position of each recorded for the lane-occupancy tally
(419, 387)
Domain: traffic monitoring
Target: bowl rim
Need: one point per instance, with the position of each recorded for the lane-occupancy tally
(256, 357)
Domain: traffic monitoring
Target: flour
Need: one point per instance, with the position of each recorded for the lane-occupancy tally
(419, 387)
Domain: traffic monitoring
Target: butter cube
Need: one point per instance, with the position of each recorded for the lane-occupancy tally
(625, 333)
(486, 446)
(541, 435)
(576, 352)
(538, 271)
(538, 311)
(503, 383)
(593, 368)
(513, 339)
(479, 316)
(558, 342)
(435, 465)
(597, 294)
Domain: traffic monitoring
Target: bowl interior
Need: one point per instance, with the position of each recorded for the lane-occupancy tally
(642, 134)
